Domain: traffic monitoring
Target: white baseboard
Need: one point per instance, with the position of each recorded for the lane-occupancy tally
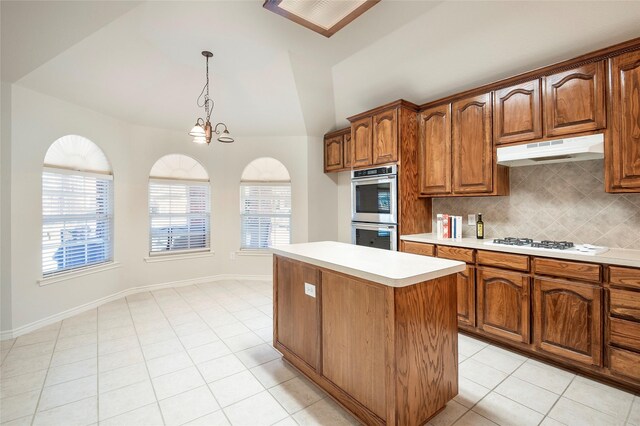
(19, 331)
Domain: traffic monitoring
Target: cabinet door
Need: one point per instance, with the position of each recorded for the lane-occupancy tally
(472, 145)
(434, 150)
(567, 320)
(503, 303)
(574, 100)
(624, 165)
(333, 154)
(346, 145)
(362, 142)
(467, 296)
(385, 137)
(517, 113)
(298, 315)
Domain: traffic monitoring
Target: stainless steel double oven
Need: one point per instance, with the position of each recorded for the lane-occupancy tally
(374, 207)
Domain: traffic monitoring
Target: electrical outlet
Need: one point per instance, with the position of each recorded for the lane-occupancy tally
(232, 255)
(310, 289)
(472, 220)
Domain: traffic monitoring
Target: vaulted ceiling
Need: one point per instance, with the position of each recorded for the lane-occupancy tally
(141, 62)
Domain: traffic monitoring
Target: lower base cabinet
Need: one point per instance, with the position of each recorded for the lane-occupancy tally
(503, 303)
(567, 320)
(466, 287)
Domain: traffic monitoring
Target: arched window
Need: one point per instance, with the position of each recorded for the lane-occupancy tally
(265, 205)
(179, 206)
(77, 206)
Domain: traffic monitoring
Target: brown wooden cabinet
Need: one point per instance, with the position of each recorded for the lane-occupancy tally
(503, 303)
(385, 137)
(435, 150)
(623, 164)
(361, 138)
(575, 100)
(466, 290)
(347, 150)
(567, 320)
(517, 113)
(298, 324)
(472, 147)
(333, 154)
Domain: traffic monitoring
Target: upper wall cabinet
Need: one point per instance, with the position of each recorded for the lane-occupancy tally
(517, 113)
(434, 150)
(472, 146)
(385, 137)
(335, 151)
(575, 100)
(347, 150)
(333, 154)
(362, 142)
(623, 168)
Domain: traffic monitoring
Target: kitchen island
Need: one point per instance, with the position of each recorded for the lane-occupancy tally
(375, 329)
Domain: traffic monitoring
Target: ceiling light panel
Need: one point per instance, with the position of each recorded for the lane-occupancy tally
(323, 13)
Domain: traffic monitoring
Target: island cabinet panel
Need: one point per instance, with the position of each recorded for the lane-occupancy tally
(426, 348)
(503, 303)
(434, 150)
(347, 151)
(385, 137)
(362, 141)
(567, 320)
(333, 154)
(472, 146)
(623, 166)
(353, 327)
(517, 113)
(298, 315)
(575, 100)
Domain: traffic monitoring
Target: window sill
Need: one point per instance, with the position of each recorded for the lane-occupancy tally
(177, 256)
(89, 270)
(259, 253)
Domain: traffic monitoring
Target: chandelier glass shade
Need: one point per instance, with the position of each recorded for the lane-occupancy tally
(202, 131)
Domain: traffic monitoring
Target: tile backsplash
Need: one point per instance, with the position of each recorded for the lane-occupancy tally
(564, 201)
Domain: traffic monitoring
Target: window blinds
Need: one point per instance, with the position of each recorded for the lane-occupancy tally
(179, 215)
(77, 220)
(265, 211)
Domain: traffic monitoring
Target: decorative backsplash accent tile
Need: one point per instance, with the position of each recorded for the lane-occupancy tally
(564, 201)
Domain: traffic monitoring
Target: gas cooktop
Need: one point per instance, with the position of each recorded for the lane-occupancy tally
(548, 245)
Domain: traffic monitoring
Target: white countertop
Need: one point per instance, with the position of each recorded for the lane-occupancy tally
(391, 268)
(615, 256)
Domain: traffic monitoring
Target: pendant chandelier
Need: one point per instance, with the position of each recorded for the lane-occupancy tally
(202, 132)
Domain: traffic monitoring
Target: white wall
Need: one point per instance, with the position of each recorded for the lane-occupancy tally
(132, 150)
(5, 206)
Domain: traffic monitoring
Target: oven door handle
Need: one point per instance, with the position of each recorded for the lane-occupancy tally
(359, 181)
(374, 226)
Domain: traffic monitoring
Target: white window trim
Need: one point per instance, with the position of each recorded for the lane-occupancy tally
(176, 255)
(78, 272)
(254, 252)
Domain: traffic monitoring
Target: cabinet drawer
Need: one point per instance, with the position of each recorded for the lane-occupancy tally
(567, 269)
(627, 277)
(418, 248)
(624, 333)
(624, 363)
(456, 253)
(503, 260)
(625, 304)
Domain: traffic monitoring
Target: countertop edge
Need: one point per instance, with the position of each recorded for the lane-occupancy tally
(368, 276)
(608, 258)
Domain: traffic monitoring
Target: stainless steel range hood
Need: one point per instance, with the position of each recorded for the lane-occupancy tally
(556, 151)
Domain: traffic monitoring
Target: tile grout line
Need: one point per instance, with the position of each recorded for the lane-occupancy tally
(145, 366)
(33, 418)
(187, 352)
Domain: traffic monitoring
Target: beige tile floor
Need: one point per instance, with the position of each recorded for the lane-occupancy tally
(202, 355)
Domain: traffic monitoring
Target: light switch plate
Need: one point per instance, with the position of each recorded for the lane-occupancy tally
(472, 220)
(310, 289)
